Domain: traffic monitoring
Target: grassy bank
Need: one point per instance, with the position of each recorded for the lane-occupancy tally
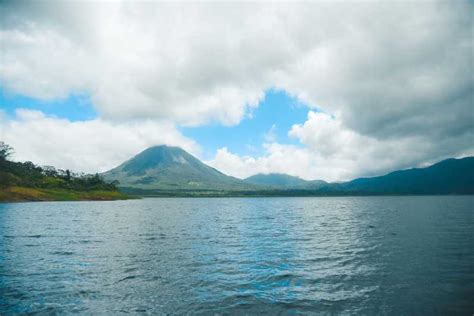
(20, 194)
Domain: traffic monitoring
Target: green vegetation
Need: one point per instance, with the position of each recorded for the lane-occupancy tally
(25, 181)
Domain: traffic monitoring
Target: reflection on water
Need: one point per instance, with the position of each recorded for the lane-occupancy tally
(367, 255)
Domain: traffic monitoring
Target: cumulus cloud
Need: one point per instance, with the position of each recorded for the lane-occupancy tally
(383, 65)
(83, 146)
(335, 153)
(394, 74)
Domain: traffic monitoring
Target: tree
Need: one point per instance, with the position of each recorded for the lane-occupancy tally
(5, 151)
(50, 171)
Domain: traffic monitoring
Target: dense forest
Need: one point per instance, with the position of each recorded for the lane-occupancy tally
(27, 181)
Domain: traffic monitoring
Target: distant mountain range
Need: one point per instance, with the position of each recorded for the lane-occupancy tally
(171, 171)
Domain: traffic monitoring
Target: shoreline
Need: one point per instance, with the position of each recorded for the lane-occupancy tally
(25, 194)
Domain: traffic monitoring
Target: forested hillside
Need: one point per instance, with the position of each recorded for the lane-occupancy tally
(21, 181)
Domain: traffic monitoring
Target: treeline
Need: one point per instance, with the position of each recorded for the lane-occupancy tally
(27, 174)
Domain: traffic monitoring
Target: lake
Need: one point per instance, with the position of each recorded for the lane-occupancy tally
(351, 255)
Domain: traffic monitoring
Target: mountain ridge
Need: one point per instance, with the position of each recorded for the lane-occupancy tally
(169, 170)
(449, 176)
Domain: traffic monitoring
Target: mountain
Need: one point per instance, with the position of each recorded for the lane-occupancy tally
(451, 176)
(171, 169)
(276, 180)
(284, 181)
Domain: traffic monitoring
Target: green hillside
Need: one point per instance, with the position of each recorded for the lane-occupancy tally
(451, 176)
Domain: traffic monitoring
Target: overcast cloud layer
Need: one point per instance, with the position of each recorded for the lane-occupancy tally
(394, 80)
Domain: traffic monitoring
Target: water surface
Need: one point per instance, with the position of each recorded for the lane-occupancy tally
(365, 255)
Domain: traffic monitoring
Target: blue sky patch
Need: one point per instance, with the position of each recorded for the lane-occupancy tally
(272, 119)
(77, 107)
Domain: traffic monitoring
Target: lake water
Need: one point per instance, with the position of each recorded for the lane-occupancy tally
(357, 255)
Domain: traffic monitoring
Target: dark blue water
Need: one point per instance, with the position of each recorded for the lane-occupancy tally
(352, 255)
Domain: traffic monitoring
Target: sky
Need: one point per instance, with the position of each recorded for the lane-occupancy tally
(320, 90)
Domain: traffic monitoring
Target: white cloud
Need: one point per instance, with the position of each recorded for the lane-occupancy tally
(86, 146)
(335, 153)
(397, 75)
(189, 63)
(382, 65)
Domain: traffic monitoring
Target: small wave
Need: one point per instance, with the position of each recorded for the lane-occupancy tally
(34, 236)
(63, 253)
(87, 241)
(140, 310)
(87, 292)
(130, 277)
(24, 236)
